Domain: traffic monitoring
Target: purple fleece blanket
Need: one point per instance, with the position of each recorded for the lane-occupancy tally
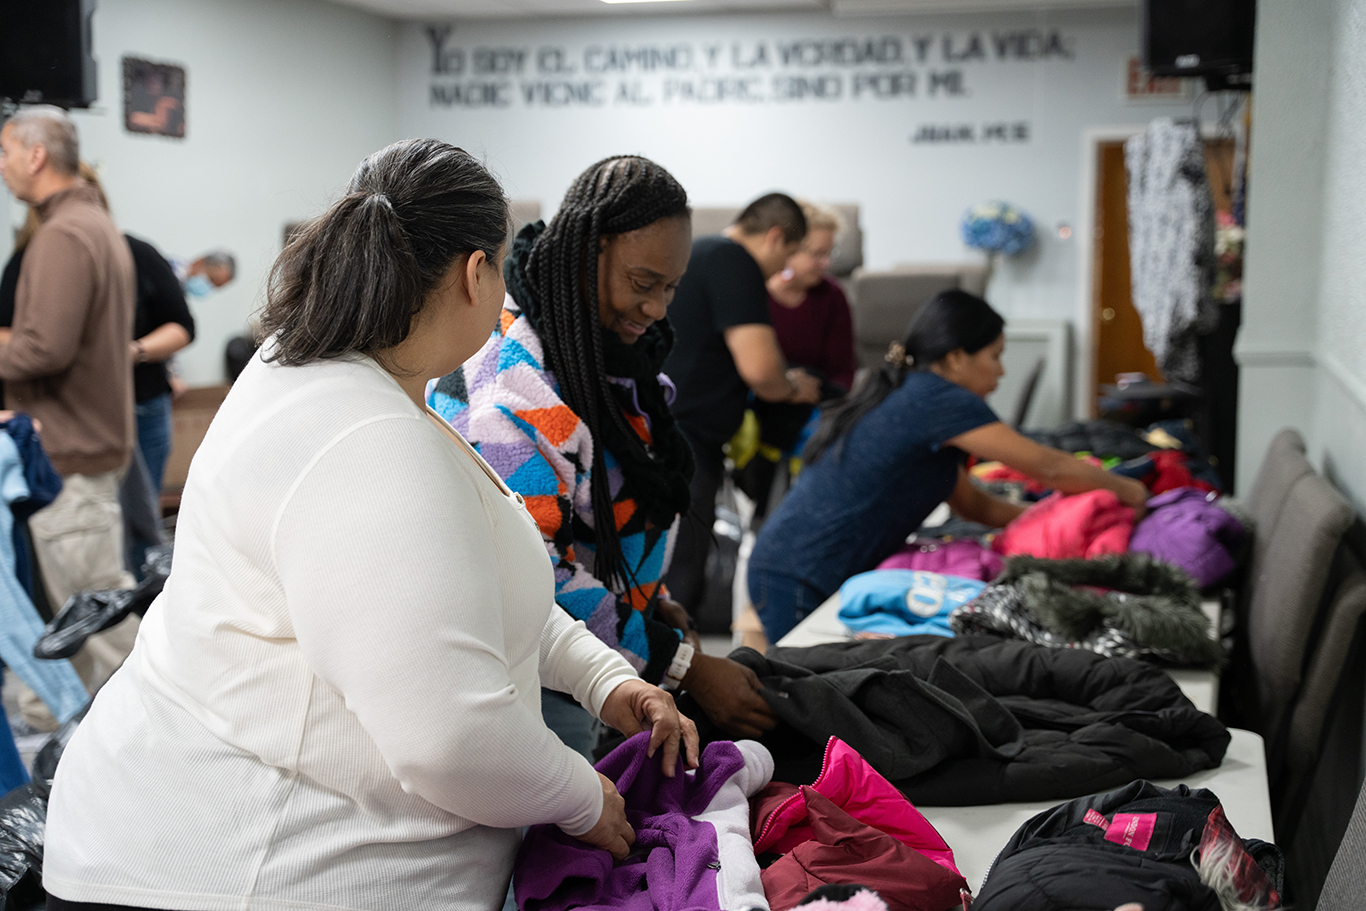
(674, 863)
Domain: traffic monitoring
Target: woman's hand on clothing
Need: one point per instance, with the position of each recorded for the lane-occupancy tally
(1134, 494)
(968, 501)
(611, 832)
(730, 694)
(636, 706)
(1050, 467)
(676, 616)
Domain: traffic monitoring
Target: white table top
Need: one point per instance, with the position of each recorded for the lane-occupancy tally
(977, 834)
(823, 626)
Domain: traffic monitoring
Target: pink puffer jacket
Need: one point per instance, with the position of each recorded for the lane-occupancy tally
(1061, 527)
(778, 812)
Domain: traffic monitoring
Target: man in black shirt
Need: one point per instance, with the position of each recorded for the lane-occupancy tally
(724, 348)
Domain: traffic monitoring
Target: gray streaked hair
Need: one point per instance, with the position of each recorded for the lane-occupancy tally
(50, 127)
(221, 259)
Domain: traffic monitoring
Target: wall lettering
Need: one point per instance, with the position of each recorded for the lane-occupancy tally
(865, 68)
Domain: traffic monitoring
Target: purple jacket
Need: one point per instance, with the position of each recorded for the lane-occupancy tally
(1186, 528)
(689, 829)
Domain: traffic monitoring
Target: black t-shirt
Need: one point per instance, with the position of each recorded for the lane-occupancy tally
(160, 300)
(723, 287)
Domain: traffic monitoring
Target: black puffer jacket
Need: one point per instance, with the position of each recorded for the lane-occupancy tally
(978, 720)
(1102, 439)
(1134, 844)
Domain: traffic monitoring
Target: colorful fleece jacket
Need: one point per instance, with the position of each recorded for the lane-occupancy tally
(505, 402)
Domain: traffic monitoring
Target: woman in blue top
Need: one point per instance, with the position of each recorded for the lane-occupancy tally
(896, 448)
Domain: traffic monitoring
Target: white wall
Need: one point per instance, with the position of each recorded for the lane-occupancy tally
(1303, 345)
(283, 99)
(850, 149)
(1339, 437)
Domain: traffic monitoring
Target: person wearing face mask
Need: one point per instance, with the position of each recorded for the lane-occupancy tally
(567, 402)
(202, 276)
(885, 457)
(198, 278)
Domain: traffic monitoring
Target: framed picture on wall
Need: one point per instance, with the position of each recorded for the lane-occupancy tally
(153, 97)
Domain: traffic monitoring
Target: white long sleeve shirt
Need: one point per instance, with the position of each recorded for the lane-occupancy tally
(335, 703)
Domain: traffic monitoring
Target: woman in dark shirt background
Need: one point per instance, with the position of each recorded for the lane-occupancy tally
(162, 325)
(809, 310)
(815, 331)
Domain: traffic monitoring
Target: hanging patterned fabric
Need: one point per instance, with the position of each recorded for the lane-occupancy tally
(1171, 243)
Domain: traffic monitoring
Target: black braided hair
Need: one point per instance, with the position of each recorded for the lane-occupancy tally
(614, 196)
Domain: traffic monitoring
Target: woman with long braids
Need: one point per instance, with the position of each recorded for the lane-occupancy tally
(895, 449)
(567, 403)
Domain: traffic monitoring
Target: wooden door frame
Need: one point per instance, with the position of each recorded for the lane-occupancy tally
(1084, 381)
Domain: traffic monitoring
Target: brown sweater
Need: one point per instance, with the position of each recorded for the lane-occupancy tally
(67, 363)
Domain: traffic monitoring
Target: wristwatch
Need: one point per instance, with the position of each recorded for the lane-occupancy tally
(678, 668)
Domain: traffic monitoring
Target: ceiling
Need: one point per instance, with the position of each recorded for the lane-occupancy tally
(520, 9)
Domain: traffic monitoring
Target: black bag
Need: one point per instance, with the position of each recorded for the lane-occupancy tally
(23, 826)
(87, 613)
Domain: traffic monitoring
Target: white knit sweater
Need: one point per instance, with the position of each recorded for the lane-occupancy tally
(335, 703)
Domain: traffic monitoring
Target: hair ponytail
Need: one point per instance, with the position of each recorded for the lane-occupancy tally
(947, 322)
(354, 277)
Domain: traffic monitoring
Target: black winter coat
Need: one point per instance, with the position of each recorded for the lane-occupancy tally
(1101, 438)
(1074, 857)
(980, 720)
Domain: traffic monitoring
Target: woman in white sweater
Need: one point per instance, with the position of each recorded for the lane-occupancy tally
(335, 702)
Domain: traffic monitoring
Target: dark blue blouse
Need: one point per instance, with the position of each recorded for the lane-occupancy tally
(863, 498)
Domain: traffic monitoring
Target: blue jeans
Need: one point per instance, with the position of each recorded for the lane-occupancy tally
(780, 601)
(154, 436)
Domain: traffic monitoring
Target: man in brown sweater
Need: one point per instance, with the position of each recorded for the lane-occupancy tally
(67, 364)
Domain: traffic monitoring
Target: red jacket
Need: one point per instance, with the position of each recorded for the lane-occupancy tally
(844, 850)
(779, 816)
(851, 826)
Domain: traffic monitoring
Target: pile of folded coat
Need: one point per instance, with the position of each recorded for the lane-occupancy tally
(963, 557)
(978, 719)
(1187, 528)
(903, 602)
(1167, 850)
(1101, 438)
(700, 834)
(1122, 605)
(851, 826)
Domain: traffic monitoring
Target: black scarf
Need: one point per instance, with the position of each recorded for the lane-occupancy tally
(657, 477)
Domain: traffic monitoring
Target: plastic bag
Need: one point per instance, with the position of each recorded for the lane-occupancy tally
(87, 613)
(23, 826)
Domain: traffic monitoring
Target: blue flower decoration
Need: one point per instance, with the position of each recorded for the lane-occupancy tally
(997, 227)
